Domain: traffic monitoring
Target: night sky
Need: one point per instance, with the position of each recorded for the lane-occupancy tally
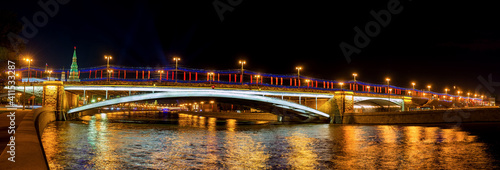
(442, 43)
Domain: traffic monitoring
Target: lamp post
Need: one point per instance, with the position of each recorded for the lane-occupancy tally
(107, 65)
(468, 94)
(429, 88)
(109, 73)
(388, 93)
(210, 76)
(257, 80)
(242, 62)
(160, 71)
(446, 91)
(413, 84)
(298, 74)
(176, 59)
(50, 72)
(354, 75)
(29, 75)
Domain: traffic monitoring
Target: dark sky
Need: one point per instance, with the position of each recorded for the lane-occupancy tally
(443, 43)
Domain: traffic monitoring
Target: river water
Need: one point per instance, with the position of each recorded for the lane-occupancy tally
(148, 140)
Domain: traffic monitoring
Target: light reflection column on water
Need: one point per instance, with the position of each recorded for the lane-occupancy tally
(390, 149)
(242, 151)
(101, 145)
(50, 141)
(301, 155)
(414, 152)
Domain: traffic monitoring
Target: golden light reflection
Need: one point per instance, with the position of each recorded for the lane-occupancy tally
(231, 124)
(242, 152)
(301, 154)
(95, 143)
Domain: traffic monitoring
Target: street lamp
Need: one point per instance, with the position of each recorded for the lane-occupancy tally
(109, 73)
(210, 78)
(368, 88)
(413, 87)
(107, 65)
(50, 72)
(341, 84)
(308, 82)
(388, 93)
(446, 91)
(298, 73)
(468, 94)
(257, 81)
(429, 88)
(29, 60)
(354, 75)
(160, 71)
(242, 62)
(176, 59)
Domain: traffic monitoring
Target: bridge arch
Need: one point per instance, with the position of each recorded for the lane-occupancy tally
(259, 101)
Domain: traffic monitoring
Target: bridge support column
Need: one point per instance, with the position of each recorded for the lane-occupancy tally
(106, 94)
(53, 98)
(316, 102)
(84, 97)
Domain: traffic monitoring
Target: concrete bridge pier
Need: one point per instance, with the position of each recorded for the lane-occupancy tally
(55, 98)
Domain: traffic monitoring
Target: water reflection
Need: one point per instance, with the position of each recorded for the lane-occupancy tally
(130, 141)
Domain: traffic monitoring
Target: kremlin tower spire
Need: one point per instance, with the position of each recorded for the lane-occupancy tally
(73, 73)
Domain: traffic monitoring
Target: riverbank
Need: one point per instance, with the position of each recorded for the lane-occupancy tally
(237, 116)
(29, 153)
(425, 117)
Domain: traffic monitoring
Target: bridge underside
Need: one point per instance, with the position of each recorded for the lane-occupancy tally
(268, 104)
(375, 105)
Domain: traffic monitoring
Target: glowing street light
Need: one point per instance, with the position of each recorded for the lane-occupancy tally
(210, 76)
(388, 94)
(354, 75)
(429, 88)
(298, 73)
(242, 62)
(160, 71)
(413, 85)
(446, 91)
(341, 84)
(29, 60)
(107, 65)
(308, 82)
(368, 88)
(50, 72)
(176, 59)
(257, 77)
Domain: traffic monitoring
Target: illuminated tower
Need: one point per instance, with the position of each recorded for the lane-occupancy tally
(73, 73)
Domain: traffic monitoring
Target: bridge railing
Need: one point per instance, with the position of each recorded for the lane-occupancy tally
(249, 79)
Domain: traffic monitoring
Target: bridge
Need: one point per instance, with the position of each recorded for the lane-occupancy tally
(289, 96)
